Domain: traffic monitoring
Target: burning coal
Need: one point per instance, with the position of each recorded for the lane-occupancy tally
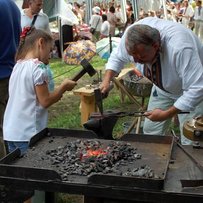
(83, 157)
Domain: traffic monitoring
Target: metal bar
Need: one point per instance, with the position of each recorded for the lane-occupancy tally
(192, 183)
(132, 126)
(138, 124)
(111, 192)
(98, 100)
(186, 152)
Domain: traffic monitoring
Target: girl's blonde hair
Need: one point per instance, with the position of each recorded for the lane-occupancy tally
(28, 39)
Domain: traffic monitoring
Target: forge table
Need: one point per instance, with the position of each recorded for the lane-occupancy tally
(180, 167)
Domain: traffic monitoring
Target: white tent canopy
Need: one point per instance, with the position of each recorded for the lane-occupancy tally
(61, 9)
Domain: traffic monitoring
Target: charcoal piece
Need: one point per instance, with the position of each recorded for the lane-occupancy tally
(54, 161)
(85, 157)
(59, 158)
(48, 152)
(50, 141)
(119, 173)
(137, 156)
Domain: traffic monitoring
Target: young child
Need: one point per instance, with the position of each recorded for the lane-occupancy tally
(105, 27)
(26, 112)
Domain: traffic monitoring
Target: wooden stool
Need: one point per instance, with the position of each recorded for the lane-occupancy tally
(87, 102)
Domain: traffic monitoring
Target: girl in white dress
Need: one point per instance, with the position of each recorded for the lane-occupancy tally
(26, 112)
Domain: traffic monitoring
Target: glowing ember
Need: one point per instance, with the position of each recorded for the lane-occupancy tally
(94, 153)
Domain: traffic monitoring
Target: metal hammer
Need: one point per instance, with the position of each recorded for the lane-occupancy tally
(87, 68)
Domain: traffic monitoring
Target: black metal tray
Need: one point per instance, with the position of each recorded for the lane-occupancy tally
(155, 150)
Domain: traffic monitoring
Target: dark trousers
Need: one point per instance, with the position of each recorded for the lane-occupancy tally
(67, 35)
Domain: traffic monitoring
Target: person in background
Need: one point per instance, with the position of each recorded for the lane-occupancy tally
(118, 14)
(10, 36)
(173, 10)
(112, 19)
(141, 13)
(35, 10)
(79, 11)
(33, 16)
(187, 14)
(173, 62)
(170, 15)
(198, 18)
(120, 19)
(152, 13)
(67, 28)
(25, 4)
(178, 11)
(96, 22)
(105, 27)
(28, 90)
(129, 12)
(103, 10)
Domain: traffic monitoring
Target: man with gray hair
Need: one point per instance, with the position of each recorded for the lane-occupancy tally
(171, 56)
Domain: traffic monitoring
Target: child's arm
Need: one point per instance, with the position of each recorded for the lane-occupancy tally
(47, 98)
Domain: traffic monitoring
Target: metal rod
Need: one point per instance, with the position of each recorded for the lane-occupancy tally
(126, 92)
(186, 152)
(131, 126)
(139, 120)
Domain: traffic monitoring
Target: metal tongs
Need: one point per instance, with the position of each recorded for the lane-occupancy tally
(134, 114)
(123, 114)
(117, 114)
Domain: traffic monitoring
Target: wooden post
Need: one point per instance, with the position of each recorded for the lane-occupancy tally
(87, 102)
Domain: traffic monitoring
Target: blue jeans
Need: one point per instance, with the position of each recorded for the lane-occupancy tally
(23, 146)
